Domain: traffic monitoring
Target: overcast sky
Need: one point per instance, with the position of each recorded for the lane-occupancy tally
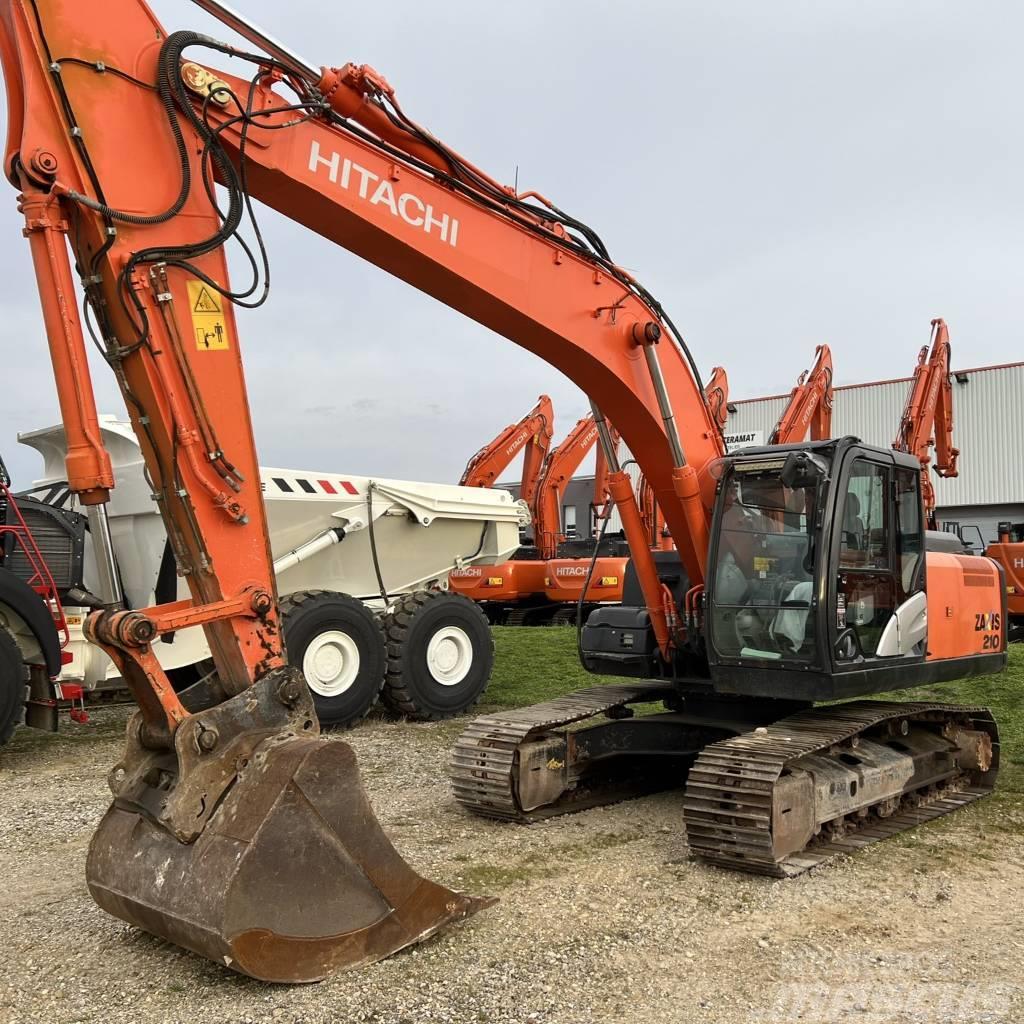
(778, 174)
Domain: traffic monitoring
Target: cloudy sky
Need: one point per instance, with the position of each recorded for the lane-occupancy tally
(778, 174)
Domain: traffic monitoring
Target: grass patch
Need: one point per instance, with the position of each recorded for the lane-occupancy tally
(535, 663)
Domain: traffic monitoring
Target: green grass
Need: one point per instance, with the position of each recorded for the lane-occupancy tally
(532, 664)
(535, 664)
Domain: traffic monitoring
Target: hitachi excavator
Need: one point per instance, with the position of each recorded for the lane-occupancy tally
(927, 420)
(582, 579)
(531, 436)
(809, 408)
(927, 425)
(512, 592)
(235, 830)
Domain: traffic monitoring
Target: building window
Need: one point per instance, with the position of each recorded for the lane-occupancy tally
(569, 519)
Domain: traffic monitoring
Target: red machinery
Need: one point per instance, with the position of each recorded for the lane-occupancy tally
(1008, 551)
(927, 420)
(810, 404)
(33, 629)
(513, 592)
(531, 436)
(234, 830)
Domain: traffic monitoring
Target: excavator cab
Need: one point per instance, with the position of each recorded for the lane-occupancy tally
(820, 589)
(824, 583)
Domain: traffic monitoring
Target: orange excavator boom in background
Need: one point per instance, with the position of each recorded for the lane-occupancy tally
(531, 436)
(235, 830)
(927, 420)
(809, 408)
(717, 393)
(560, 467)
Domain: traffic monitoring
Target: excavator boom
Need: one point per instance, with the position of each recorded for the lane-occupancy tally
(809, 408)
(927, 420)
(717, 392)
(117, 130)
(559, 468)
(531, 436)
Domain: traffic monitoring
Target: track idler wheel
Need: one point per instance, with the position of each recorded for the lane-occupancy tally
(291, 879)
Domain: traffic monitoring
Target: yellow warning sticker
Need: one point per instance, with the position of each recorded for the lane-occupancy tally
(208, 322)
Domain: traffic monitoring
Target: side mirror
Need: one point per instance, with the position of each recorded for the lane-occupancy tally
(802, 469)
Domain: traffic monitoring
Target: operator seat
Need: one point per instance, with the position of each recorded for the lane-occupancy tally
(853, 525)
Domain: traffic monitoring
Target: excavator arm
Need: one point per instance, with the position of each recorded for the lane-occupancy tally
(602, 501)
(559, 468)
(531, 435)
(117, 132)
(810, 404)
(927, 420)
(717, 392)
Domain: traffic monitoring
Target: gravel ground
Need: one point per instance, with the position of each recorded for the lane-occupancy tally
(601, 917)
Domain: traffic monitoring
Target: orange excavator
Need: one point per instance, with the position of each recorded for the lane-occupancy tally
(531, 436)
(809, 408)
(580, 580)
(717, 392)
(1008, 551)
(512, 593)
(927, 420)
(235, 830)
(927, 425)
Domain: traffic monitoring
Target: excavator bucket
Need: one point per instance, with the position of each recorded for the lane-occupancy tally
(291, 879)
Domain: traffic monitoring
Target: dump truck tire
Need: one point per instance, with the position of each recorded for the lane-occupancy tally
(440, 655)
(338, 644)
(12, 686)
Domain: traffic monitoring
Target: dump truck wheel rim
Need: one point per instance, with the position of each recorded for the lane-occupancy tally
(331, 663)
(449, 655)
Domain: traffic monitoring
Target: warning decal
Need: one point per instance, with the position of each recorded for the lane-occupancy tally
(208, 323)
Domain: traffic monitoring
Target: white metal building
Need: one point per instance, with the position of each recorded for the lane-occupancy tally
(988, 428)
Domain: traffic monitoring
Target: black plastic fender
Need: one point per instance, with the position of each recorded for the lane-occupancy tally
(31, 608)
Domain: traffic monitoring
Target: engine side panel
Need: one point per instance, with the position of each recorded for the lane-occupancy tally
(966, 606)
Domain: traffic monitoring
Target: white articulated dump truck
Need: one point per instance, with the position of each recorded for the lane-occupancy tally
(361, 564)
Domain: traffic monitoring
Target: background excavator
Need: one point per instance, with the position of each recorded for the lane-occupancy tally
(512, 592)
(809, 408)
(927, 420)
(926, 426)
(1008, 551)
(235, 830)
(531, 436)
(580, 580)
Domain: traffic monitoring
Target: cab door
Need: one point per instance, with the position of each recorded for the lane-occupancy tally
(877, 559)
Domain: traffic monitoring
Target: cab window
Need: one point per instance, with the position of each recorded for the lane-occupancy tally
(865, 527)
(909, 532)
(866, 584)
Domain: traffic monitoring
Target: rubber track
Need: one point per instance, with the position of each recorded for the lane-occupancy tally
(484, 762)
(728, 797)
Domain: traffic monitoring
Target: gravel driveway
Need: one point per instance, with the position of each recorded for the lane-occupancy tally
(601, 917)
